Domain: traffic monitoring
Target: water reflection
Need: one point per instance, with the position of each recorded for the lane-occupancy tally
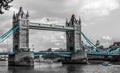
(56, 68)
(12, 69)
(49, 68)
(38, 68)
(74, 68)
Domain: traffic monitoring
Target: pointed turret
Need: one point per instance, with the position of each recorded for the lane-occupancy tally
(73, 19)
(27, 15)
(67, 22)
(21, 12)
(14, 16)
(79, 21)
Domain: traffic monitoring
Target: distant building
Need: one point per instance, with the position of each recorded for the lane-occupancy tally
(117, 43)
(54, 50)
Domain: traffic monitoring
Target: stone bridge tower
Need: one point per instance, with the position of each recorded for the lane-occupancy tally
(23, 55)
(74, 37)
(74, 42)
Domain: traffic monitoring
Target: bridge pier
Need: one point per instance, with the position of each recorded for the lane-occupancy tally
(80, 57)
(22, 55)
(21, 59)
(76, 58)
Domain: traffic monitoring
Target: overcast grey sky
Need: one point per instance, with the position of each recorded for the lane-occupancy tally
(100, 20)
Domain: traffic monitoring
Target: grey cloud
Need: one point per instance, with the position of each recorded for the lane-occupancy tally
(46, 39)
(59, 10)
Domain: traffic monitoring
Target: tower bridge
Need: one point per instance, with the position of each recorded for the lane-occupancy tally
(22, 55)
(21, 38)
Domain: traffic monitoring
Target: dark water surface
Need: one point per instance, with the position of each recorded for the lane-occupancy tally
(59, 68)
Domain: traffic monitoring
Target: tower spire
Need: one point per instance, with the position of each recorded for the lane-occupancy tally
(79, 21)
(73, 16)
(73, 19)
(67, 22)
(21, 12)
(27, 15)
(14, 15)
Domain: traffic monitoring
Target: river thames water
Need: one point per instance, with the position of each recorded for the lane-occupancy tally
(59, 68)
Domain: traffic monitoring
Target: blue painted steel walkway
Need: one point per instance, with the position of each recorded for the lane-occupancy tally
(41, 26)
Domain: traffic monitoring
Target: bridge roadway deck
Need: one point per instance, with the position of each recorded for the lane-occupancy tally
(41, 26)
(60, 53)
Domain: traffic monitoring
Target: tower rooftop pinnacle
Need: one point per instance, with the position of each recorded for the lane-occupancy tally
(79, 21)
(21, 12)
(21, 9)
(27, 15)
(73, 19)
(73, 14)
(14, 16)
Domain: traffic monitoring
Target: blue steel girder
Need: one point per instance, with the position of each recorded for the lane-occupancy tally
(41, 26)
(6, 53)
(64, 54)
(9, 33)
(2, 36)
(88, 40)
(104, 54)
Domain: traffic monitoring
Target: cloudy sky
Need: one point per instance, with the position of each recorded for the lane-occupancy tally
(100, 20)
